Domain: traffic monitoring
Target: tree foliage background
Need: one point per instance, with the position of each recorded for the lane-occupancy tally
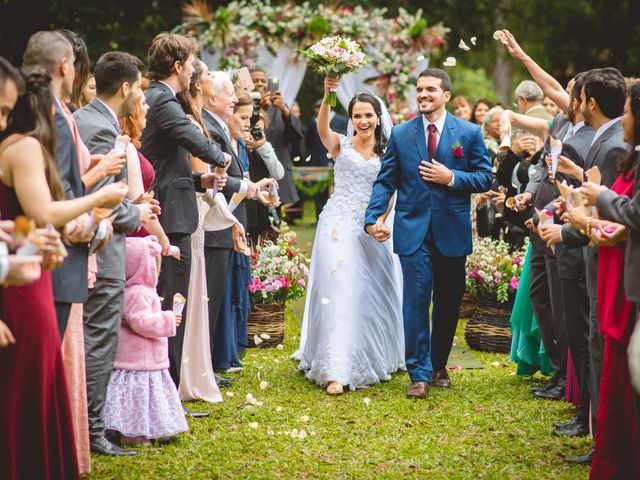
(563, 36)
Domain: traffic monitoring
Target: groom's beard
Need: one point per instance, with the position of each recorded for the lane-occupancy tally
(432, 107)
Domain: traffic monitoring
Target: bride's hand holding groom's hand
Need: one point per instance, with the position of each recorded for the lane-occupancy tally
(379, 230)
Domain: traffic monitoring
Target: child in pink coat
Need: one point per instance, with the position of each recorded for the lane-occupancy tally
(142, 401)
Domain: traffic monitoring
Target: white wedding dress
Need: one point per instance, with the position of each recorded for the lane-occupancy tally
(352, 332)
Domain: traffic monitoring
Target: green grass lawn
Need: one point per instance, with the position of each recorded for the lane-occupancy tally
(486, 426)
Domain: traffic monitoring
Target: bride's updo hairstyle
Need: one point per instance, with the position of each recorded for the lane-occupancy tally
(381, 138)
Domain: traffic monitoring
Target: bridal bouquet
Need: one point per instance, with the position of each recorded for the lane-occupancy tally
(494, 269)
(279, 271)
(335, 56)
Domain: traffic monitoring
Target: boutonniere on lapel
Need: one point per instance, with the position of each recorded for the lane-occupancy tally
(458, 152)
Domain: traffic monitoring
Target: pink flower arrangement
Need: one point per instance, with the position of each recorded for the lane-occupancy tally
(493, 268)
(279, 270)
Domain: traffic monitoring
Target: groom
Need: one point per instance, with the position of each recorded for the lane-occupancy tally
(433, 162)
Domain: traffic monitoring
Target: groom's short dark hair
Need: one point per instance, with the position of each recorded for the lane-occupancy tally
(437, 73)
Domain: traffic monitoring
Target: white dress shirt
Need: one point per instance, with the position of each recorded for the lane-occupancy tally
(170, 87)
(604, 128)
(439, 123)
(243, 184)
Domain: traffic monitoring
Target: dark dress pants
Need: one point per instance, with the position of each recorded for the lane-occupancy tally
(217, 262)
(596, 358)
(444, 277)
(576, 313)
(174, 278)
(62, 313)
(546, 300)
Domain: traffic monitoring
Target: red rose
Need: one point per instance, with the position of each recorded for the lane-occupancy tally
(437, 42)
(458, 152)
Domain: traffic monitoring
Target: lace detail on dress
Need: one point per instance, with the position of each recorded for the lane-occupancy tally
(353, 180)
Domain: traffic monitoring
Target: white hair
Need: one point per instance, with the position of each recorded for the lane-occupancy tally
(487, 117)
(530, 91)
(221, 79)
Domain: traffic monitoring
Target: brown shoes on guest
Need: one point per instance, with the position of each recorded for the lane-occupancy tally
(418, 390)
(441, 379)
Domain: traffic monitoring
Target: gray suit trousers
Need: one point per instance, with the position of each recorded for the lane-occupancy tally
(102, 314)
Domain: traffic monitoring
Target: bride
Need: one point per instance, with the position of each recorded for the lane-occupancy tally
(352, 332)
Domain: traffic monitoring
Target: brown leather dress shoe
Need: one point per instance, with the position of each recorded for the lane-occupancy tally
(418, 390)
(441, 379)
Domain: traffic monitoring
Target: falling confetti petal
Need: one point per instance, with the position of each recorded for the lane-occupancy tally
(263, 385)
(449, 62)
(329, 156)
(280, 346)
(334, 270)
(253, 424)
(334, 234)
(341, 259)
(185, 360)
(304, 418)
(474, 40)
(203, 374)
(363, 206)
(420, 58)
(296, 158)
(205, 298)
(265, 336)
(366, 401)
(498, 35)
(325, 301)
(463, 46)
(308, 159)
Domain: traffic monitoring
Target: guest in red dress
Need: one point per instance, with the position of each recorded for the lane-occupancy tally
(36, 433)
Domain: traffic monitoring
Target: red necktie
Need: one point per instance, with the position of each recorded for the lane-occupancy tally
(433, 140)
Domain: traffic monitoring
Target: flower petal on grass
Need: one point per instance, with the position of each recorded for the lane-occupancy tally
(367, 401)
(279, 409)
(302, 435)
(230, 394)
(280, 347)
(253, 425)
(263, 385)
(304, 418)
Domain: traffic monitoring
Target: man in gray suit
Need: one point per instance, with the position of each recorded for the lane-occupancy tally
(603, 97)
(118, 83)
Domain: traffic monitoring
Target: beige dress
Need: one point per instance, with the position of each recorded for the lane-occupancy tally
(197, 381)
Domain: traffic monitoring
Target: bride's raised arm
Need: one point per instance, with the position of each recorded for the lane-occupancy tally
(329, 138)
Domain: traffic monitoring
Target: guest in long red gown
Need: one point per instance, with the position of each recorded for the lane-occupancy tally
(36, 434)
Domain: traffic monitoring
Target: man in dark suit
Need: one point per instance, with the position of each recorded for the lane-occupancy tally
(284, 131)
(603, 96)
(571, 268)
(219, 101)
(433, 163)
(317, 151)
(118, 82)
(167, 140)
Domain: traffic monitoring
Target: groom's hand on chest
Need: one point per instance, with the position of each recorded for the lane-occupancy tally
(435, 172)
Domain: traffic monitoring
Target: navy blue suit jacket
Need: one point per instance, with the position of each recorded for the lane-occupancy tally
(420, 204)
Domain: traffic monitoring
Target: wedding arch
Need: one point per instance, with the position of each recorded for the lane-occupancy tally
(263, 34)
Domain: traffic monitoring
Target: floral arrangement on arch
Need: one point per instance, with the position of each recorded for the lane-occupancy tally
(279, 270)
(238, 31)
(493, 269)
